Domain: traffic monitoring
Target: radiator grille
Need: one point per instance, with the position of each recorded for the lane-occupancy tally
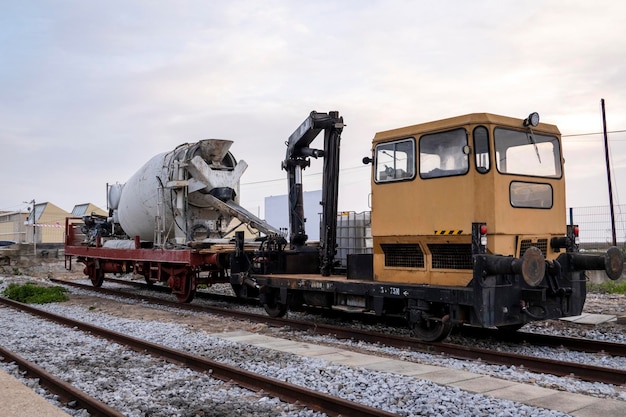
(541, 244)
(403, 255)
(451, 255)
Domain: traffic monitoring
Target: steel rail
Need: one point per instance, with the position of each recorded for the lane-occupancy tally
(532, 363)
(65, 391)
(291, 393)
(573, 343)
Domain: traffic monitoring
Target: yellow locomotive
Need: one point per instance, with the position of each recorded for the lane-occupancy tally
(468, 224)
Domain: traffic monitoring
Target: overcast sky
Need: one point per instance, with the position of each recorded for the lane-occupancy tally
(90, 91)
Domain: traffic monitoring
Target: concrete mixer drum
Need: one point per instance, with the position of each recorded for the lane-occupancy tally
(171, 199)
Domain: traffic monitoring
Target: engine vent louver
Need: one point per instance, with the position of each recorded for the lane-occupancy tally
(451, 255)
(541, 244)
(405, 255)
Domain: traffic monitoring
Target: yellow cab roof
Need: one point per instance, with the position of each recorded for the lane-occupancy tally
(460, 121)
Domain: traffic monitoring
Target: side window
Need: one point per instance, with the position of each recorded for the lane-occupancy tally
(481, 149)
(531, 195)
(395, 161)
(444, 154)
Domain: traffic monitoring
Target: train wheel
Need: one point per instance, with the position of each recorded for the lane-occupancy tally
(96, 275)
(183, 287)
(275, 309)
(431, 330)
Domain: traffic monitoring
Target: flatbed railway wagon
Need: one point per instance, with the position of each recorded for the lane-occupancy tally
(168, 221)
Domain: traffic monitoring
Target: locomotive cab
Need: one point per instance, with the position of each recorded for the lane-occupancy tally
(477, 202)
(432, 181)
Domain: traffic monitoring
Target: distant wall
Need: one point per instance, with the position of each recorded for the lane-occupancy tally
(23, 255)
(277, 212)
(598, 277)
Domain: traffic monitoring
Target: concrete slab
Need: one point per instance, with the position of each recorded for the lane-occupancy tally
(521, 393)
(280, 344)
(228, 335)
(602, 408)
(310, 350)
(17, 400)
(343, 357)
(566, 402)
(401, 368)
(449, 376)
(482, 385)
(260, 340)
(592, 319)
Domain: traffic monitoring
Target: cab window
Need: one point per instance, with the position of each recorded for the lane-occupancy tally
(481, 149)
(530, 195)
(444, 154)
(395, 161)
(527, 153)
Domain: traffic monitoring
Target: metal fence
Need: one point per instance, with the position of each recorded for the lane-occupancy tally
(595, 226)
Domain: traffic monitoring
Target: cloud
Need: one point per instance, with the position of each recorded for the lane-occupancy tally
(92, 91)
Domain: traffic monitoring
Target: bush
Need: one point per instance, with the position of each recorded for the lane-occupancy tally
(609, 287)
(35, 294)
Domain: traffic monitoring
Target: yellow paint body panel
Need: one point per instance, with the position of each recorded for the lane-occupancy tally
(414, 211)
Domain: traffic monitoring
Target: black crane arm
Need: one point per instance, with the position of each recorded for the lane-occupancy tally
(297, 159)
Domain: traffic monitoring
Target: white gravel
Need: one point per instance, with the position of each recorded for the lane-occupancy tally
(140, 385)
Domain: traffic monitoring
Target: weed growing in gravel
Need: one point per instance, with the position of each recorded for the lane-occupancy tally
(609, 287)
(35, 294)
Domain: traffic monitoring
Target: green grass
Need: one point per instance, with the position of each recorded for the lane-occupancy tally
(35, 294)
(609, 287)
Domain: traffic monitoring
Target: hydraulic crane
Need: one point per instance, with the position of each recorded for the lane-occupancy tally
(296, 160)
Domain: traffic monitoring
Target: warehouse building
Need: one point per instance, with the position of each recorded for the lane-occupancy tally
(44, 224)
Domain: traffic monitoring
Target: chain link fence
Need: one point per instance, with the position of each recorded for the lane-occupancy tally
(595, 226)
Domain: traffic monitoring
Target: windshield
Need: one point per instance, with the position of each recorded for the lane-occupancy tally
(527, 153)
(443, 154)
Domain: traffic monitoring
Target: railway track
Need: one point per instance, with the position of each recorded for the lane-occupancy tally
(532, 363)
(332, 406)
(571, 343)
(66, 392)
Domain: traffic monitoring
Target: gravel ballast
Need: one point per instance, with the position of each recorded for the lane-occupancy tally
(140, 385)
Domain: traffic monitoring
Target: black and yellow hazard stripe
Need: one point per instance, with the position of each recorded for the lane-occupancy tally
(448, 232)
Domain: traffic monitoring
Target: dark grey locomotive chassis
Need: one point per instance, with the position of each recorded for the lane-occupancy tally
(491, 299)
(497, 295)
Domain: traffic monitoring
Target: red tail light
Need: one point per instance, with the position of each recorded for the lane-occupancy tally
(483, 235)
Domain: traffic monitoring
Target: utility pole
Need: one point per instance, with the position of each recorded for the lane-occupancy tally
(608, 173)
(34, 226)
